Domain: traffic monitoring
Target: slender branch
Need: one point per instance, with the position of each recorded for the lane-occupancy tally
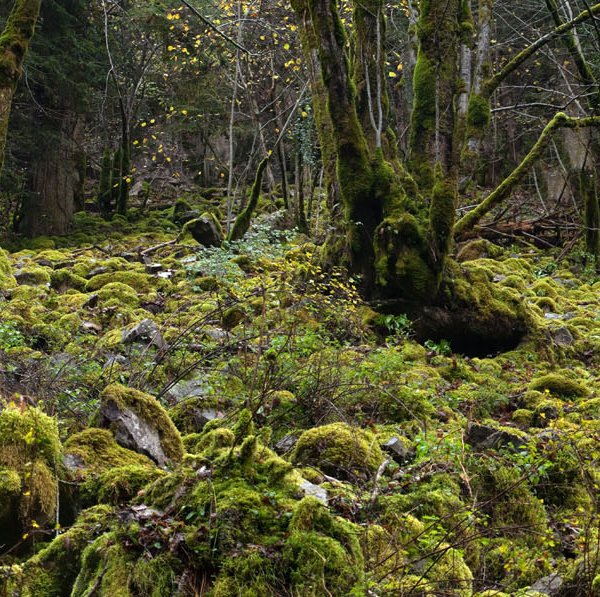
(469, 220)
(212, 26)
(494, 82)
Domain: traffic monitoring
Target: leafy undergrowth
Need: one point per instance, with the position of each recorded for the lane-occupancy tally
(326, 452)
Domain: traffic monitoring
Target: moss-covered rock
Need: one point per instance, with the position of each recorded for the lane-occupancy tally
(339, 450)
(139, 422)
(142, 283)
(559, 385)
(30, 452)
(7, 280)
(52, 571)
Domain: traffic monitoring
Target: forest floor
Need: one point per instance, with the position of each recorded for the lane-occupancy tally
(182, 420)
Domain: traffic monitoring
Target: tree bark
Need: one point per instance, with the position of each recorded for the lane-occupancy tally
(50, 202)
(14, 43)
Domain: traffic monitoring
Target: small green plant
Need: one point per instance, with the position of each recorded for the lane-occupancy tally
(10, 336)
(397, 326)
(441, 348)
(547, 270)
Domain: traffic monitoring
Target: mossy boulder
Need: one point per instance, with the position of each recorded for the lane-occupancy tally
(53, 570)
(139, 422)
(30, 452)
(205, 230)
(118, 294)
(33, 276)
(105, 471)
(478, 249)
(559, 385)
(7, 280)
(95, 450)
(339, 450)
(142, 283)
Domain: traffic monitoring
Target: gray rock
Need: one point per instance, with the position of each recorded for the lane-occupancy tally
(205, 231)
(98, 270)
(286, 444)
(484, 437)
(218, 334)
(398, 449)
(91, 303)
(549, 585)
(73, 462)
(132, 432)
(562, 337)
(153, 268)
(310, 489)
(25, 278)
(115, 360)
(192, 388)
(145, 330)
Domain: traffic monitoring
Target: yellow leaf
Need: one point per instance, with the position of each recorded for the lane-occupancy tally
(391, 74)
(286, 46)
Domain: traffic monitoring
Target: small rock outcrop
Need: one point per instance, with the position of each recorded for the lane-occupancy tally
(140, 423)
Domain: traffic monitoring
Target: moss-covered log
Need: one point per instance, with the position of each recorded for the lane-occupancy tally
(502, 191)
(242, 222)
(14, 42)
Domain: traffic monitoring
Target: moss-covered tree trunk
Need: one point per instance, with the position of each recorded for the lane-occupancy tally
(14, 42)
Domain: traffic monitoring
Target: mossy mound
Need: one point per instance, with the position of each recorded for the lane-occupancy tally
(559, 385)
(339, 450)
(30, 451)
(142, 283)
(7, 280)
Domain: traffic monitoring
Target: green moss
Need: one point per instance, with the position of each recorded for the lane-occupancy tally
(339, 450)
(10, 489)
(117, 485)
(206, 283)
(210, 442)
(142, 283)
(450, 575)
(402, 262)
(477, 249)
(27, 433)
(34, 276)
(63, 279)
(441, 219)
(478, 113)
(105, 569)
(232, 317)
(423, 118)
(98, 452)
(559, 385)
(149, 409)
(155, 576)
(322, 552)
(7, 280)
(120, 293)
(251, 573)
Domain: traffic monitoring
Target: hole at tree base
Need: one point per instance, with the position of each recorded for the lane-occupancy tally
(467, 333)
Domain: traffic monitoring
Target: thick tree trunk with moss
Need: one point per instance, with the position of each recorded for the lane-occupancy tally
(396, 230)
(14, 42)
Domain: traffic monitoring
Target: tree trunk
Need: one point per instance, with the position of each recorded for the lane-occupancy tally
(50, 203)
(14, 42)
